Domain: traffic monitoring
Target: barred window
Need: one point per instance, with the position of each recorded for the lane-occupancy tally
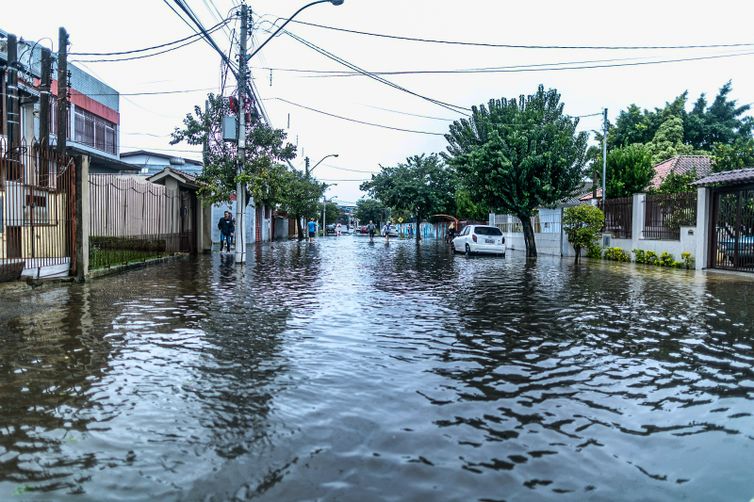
(96, 132)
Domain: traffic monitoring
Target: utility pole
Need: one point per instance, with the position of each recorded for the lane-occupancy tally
(604, 158)
(44, 97)
(240, 188)
(324, 211)
(306, 166)
(62, 107)
(14, 123)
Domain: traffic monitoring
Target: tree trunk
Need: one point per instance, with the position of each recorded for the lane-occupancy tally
(299, 230)
(578, 253)
(418, 228)
(531, 246)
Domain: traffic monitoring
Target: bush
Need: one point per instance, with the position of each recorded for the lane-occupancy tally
(664, 260)
(594, 252)
(616, 254)
(582, 224)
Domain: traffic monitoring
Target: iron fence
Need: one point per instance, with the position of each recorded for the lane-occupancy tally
(133, 220)
(665, 214)
(618, 216)
(732, 244)
(37, 211)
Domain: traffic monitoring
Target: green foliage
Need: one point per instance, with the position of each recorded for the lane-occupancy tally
(721, 122)
(668, 141)
(594, 252)
(422, 185)
(370, 210)
(688, 260)
(616, 254)
(266, 148)
(467, 208)
(678, 183)
(582, 224)
(629, 170)
(736, 155)
(301, 195)
(332, 212)
(665, 259)
(515, 155)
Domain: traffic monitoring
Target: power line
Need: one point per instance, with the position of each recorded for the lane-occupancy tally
(144, 56)
(347, 169)
(524, 46)
(540, 67)
(135, 51)
(356, 120)
(329, 55)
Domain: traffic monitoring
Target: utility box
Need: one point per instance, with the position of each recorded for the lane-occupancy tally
(230, 129)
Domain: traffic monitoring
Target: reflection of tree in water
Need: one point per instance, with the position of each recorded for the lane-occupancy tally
(243, 362)
(49, 360)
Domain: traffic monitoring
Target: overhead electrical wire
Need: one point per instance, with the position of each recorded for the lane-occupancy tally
(349, 119)
(145, 49)
(524, 46)
(329, 55)
(538, 67)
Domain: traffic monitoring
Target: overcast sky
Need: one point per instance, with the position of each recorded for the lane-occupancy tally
(106, 25)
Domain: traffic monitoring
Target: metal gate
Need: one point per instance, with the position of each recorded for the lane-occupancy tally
(37, 212)
(733, 229)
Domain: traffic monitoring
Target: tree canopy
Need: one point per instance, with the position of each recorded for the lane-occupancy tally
(370, 210)
(583, 224)
(629, 170)
(266, 149)
(422, 185)
(515, 155)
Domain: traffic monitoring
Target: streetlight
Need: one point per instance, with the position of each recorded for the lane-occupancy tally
(334, 2)
(306, 162)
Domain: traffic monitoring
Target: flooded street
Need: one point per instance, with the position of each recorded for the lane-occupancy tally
(339, 371)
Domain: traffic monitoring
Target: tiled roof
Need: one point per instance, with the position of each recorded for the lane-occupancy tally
(681, 164)
(590, 195)
(735, 177)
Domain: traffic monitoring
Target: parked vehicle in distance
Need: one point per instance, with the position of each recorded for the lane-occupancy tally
(475, 239)
(330, 228)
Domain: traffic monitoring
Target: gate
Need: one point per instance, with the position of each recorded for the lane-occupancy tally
(733, 229)
(37, 212)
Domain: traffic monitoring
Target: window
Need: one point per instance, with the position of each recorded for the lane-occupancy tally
(95, 131)
(487, 231)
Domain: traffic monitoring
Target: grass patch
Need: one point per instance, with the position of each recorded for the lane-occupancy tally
(106, 258)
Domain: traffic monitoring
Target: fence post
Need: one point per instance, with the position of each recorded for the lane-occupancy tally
(703, 217)
(82, 214)
(637, 219)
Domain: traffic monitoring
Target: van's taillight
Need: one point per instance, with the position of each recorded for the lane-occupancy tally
(473, 237)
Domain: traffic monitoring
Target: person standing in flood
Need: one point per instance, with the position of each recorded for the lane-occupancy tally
(311, 228)
(227, 227)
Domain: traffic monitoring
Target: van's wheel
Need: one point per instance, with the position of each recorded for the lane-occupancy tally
(468, 250)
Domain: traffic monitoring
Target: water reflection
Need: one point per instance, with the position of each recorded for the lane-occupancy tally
(339, 369)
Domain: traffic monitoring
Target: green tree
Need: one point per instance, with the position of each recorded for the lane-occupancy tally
(515, 155)
(678, 183)
(736, 155)
(422, 185)
(629, 170)
(301, 197)
(332, 213)
(668, 141)
(467, 208)
(724, 121)
(583, 224)
(261, 172)
(370, 210)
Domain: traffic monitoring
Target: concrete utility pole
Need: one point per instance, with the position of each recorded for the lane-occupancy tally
(604, 157)
(44, 97)
(324, 211)
(240, 187)
(14, 123)
(62, 108)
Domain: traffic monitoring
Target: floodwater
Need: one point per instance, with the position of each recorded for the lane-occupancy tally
(339, 371)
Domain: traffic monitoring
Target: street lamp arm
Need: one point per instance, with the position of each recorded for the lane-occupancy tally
(334, 2)
(323, 158)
